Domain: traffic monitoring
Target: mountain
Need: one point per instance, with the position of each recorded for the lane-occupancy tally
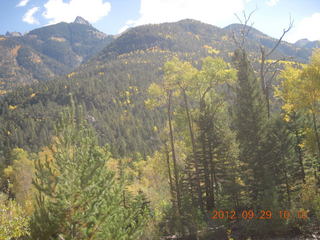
(56, 50)
(13, 34)
(141, 51)
(81, 20)
(305, 43)
(195, 38)
(47, 52)
(112, 85)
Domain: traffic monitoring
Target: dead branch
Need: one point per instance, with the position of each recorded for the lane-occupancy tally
(285, 31)
(245, 30)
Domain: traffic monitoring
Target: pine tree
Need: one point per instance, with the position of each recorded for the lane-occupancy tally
(78, 197)
(250, 122)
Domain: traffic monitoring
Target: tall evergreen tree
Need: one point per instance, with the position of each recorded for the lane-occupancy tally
(251, 125)
(78, 197)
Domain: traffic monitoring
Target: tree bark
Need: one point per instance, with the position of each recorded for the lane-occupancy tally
(299, 152)
(175, 165)
(169, 171)
(193, 152)
(315, 127)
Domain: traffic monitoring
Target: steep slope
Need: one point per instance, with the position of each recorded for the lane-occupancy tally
(112, 86)
(47, 52)
(140, 52)
(68, 43)
(194, 37)
(21, 65)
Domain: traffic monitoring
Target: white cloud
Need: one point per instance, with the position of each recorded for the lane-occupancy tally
(29, 18)
(59, 11)
(306, 28)
(272, 3)
(22, 3)
(209, 11)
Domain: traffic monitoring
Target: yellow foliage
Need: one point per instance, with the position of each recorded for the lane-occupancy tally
(224, 38)
(288, 107)
(46, 154)
(134, 88)
(155, 90)
(12, 107)
(101, 73)
(14, 222)
(153, 182)
(309, 198)
(133, 188)
(300, 92)
(2, 38)
(8, 171)
(71, 74)
(211, 50)
(20, 175)
(284, 62)
(286, 118)
(112, 164)
(32, 95)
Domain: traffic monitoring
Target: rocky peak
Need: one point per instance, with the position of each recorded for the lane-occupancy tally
(13, 34)
(81, 20)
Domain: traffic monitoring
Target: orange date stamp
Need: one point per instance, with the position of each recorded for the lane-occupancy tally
(261, 214)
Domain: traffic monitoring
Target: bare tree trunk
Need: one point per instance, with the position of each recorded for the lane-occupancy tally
(200, 199)
(299, 152)
(268, 101)
(175, 165)
(264, 84)
(315, 127)
(169, 171)
(213, 177)
(191, 189)
(287, 187)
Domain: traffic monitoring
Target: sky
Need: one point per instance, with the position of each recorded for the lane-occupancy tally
(115, 16)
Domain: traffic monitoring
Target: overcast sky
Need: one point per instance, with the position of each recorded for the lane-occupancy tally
(114, 16)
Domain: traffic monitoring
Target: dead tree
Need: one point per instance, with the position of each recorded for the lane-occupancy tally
(267, 70)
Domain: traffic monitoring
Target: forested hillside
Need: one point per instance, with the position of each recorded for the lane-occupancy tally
(47, 52)
(173, 129)
(113, 85)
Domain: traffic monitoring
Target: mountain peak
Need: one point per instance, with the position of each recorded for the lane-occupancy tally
(306, 43)
(13, 34)
(81, 20)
